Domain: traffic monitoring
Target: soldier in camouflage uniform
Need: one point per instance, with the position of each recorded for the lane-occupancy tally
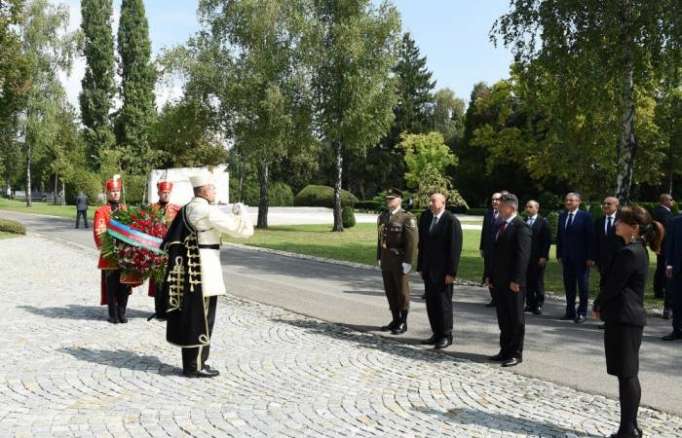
(396, 248)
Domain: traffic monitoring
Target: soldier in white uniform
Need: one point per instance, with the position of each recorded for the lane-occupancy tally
(210, 222)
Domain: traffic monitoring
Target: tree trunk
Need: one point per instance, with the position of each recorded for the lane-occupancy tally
(56, 189)
(338, 219)
(263, 202)
(671, 168)
(63, 198)
(627, 143)
(29, 200)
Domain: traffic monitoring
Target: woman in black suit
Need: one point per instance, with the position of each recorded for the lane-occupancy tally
(621, 306)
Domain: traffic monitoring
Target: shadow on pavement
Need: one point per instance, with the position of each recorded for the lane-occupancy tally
(123, 359)
(503, 423)
(358, 335)
(79, 312)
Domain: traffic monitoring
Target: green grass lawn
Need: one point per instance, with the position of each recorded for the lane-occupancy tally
(4, 235)
(358, 244)
(66, 211)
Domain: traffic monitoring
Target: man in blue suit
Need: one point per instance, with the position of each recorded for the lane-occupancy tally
(673, 261)
(575, 252)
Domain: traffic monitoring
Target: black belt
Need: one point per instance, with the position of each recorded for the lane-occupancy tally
(214, 246)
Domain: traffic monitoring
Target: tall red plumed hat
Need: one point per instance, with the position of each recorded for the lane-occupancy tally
(164, 186)
(114, 184)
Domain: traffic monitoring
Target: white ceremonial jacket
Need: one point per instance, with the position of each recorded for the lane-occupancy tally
(210, 222)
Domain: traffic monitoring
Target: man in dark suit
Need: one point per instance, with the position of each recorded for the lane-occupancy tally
(673, 270)
(606, 242)
(508, 278)
(575, 243)
(663, 213)
(440, 247)
(539, 254)
(487, 242)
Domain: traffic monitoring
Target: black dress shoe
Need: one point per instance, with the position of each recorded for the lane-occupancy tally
(511, 362)
(602, 326)
(528, 309)
(123, 320)
(490, 304)
(389, 327)
(497, 358)
(537, 310)
(672, 336)
(443, 343)
(432, 340)
(580, 319)
(399, 329)
(200, 373)
(113, 320)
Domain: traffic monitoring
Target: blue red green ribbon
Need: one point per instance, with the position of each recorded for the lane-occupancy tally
(134, 237)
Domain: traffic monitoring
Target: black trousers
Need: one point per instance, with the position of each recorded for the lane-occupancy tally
(575, 274)
(117, 294)
(676, 299)
(511, 320)
(195, 358)
(535, 285)
(84, 214)
(439, 306)
(659, 277)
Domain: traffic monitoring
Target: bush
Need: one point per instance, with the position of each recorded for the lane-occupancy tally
(477, 211)
(322, 196)
(280, 195)
(134, 189)
(348, 217)
(553, 220)
(86, 182)
(371, 206)
(14, 227)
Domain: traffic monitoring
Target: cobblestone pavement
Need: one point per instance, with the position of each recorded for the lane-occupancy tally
(64, 371)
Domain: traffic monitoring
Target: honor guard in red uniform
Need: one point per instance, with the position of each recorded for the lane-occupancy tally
(115, 286)
(169, 212)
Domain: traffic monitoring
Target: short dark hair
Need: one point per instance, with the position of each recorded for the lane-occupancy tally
(197, 190)
(510, 198)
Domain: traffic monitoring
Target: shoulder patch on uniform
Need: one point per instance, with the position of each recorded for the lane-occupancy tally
(413, 222)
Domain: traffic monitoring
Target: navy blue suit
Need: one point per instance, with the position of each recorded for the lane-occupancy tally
(673, 257)
(575, 246)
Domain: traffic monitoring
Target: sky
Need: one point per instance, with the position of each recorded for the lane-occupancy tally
(452, 34)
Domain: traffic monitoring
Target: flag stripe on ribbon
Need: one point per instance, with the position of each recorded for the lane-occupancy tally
(134, 237)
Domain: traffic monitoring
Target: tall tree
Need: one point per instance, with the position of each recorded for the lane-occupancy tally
(447, 116)
(137, 86)
(607, 53)
(13, 86)
(47, 48)
(354, 47)
(98, 85)
(267, 95)
(384, 165)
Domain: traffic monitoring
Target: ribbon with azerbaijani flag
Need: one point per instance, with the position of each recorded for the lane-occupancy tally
(134, 237)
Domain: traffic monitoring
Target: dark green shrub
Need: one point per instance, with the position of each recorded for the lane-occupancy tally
(371, 206)
(322, 196)
(84, 181)
(280, 195)
(134, 189)
(477, 211)
(553, 219)
(10, 226)
(348, 217)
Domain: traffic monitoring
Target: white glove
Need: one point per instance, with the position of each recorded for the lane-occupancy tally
(379, 262)
(406, 268)
(239, 209)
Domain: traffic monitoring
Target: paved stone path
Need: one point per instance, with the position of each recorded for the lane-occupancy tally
(64, 371)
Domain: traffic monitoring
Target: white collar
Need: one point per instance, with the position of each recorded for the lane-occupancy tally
(438, 216)
(533, 218)
(612, 216)
(508, 221)
(200, 200)
(665, 207)
(574, 212)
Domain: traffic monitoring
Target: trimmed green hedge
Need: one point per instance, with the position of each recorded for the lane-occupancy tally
(348, 217)
(14, 227)
(322, 196)
(280, 194)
